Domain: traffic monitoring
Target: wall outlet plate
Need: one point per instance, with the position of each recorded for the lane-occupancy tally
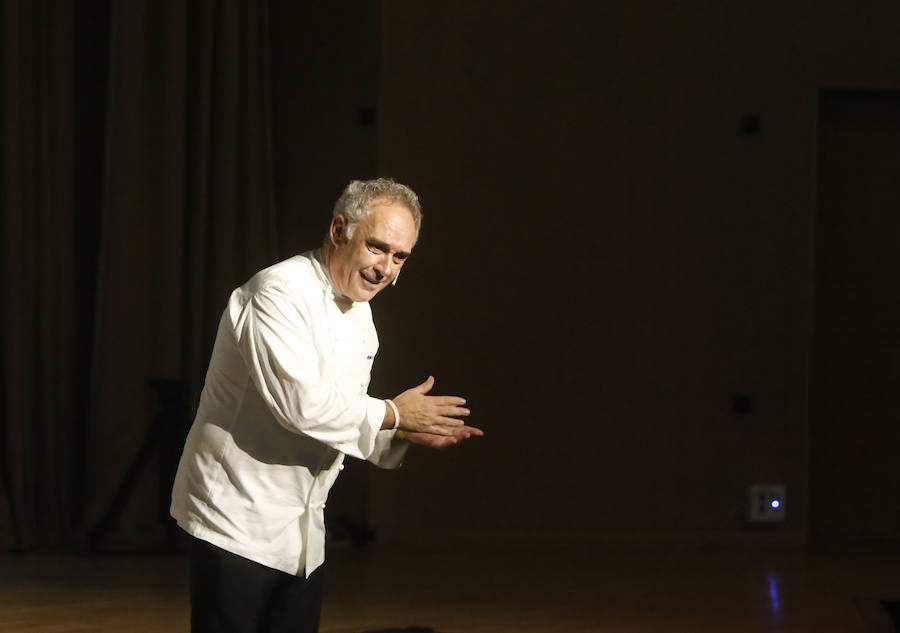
(766, 503)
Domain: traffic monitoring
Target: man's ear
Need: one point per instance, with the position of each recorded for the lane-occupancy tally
(338, 229)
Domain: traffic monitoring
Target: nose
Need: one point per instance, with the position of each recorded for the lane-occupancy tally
(383, 266)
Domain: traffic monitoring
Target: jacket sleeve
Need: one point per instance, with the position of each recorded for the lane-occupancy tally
(389, 451)
(273, 334)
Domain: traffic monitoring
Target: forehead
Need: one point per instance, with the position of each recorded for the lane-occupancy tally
(392, 223)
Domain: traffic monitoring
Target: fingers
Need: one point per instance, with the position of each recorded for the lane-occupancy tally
(448, 428)
(473, 431)
(426, 386)
(447, 401)
(465, 432)
(457, 431)
(436, 415)
(431, 440)
(447, 416)
(443, 420)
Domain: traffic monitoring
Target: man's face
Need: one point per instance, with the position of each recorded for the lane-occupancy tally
(360, 267)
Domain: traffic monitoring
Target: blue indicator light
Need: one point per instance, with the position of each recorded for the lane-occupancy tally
(775, 503)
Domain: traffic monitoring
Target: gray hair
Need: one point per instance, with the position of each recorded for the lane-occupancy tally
(357, 199)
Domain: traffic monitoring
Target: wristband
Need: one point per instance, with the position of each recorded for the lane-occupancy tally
(396, 413)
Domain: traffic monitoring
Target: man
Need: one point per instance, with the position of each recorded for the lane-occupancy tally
(285, 400)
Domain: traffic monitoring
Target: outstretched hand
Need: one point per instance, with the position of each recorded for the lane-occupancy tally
(434, 415)
(430, 440)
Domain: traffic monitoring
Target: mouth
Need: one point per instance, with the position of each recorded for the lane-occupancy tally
(369, 280)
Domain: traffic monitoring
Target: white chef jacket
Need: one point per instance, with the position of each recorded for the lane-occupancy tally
(284, 401)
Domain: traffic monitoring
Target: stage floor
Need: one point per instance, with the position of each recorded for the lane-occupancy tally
(627, 589)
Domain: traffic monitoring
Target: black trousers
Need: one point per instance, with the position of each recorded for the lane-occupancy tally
(231, 594)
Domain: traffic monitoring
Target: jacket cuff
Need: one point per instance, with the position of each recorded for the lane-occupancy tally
(375, 410)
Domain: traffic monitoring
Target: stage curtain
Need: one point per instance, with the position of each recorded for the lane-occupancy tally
(38, 366)
(119, 280)
(188, 215)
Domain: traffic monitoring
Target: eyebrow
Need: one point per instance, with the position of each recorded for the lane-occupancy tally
(385, 247)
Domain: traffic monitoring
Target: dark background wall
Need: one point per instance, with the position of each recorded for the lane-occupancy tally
(657, 255)
(620, 241)
(325, 81)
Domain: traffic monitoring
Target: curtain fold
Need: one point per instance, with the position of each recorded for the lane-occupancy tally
(188, 215)
(38, 319)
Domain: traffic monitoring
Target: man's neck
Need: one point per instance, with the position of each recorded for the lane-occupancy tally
(327, 251)
(327, 258)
